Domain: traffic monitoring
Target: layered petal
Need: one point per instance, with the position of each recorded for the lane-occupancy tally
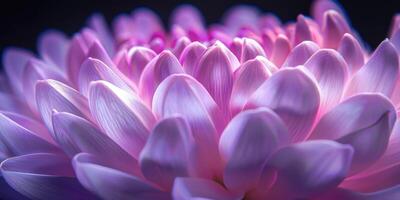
(300, 54)
(138, 57)
(53, 47)
(302, 31)
(352, 52)
(333, 29)
(280, 50)
(191, 56)
(250, 50)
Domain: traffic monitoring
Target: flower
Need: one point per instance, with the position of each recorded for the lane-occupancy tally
(246, 109)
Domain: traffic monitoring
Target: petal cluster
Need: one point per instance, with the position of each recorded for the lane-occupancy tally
(249, 108)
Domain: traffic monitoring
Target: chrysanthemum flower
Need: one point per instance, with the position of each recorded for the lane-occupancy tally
(246, 109)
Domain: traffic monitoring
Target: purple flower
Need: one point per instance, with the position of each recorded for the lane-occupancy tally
(246, 109)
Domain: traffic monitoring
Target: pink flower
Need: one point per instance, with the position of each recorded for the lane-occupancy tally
(246, 109)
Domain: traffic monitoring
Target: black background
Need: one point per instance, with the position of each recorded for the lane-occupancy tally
(22, 21)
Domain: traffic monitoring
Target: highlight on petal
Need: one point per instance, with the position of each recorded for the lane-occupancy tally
(352, 52)
(310, 168)
(294, 96)
(109, 183)
(197, 188)
(247, 143)
(53, 48)
(215, 72)
(379, 74)
(333, 29)
(364, 120)
(300, 54)
(191, 56)
(122, 116)
(280, 50)
(330, 70)
(156, 71)
(248, 77)
(43, 176)
(53, 95)
(250, 50)
(200, 111)
(167, 152)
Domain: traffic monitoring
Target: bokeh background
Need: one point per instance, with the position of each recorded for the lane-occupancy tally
(22, 21)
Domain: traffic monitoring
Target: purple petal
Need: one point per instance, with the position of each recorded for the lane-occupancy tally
(190, 19)
(53, 48)
(294, 96)
(364, 120)
(199, 109)
(156, 71)
(302, 31)
(196, 188)
(43, 176)
(280, 50)
(247, 143)
(330, 70)
(241, 16)
(352, 52)
(379, 74)
(320, 7)
(137, 58)
(123, 117)
(215, 72)
(395, 38)
(333, 29)
(96, 50)
(300, 54)
(109, 183)
(145, 23)
(309, 168)
(248, 78)
(167, 152)
(180, 45)
(250, 50)
(191, 56)
(99, 25)
(395, 24)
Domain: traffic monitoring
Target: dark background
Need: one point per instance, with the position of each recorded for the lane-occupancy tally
(22, 21)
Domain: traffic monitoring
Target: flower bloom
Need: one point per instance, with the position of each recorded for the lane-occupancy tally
(246, 109)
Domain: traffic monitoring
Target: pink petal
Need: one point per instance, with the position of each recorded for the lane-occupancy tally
(379, 74)
(167, 152)
(145, 23)
(199, 109)
(96, 50)
(43, 176)
(364, 120)
(302, 31)
(320, 7)
(247, 143)
(196, 188)
(156, 71)
(99, 25)
(248, 78)
(280, 50)
(395, 39)
(123, 117)
(250, 50)
(236, 47)
(300, 54)
(294, 96)
(190, 19)
(109, 183)
(53, 48)
(215, 72)
(138, 58)
(191, 56)
(333, 29)
(180, 45)
(310, 168)
(241, 16)
(330, 70)
(352, 52)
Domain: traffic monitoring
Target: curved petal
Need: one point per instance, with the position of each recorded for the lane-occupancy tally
(248, 78)
(241, 16)
(53, 95)
(300, 54)
(215, 72)
(319, 7)
(281, 50)
(310, 168)
(99, 25)
(156, 71)
(97, 51)
(110, 183)
(53, 47)
(250, 50)
(196, 188)
(197, 106)
(123, 117)
(43, 176)
(190, 19)
(167, 152)
(180, 45)
(330, 70)
(294, 96)
(352, 52)
(247, 143)
(379, 74)
(362, 121)
(191, 56)
(333, 29)
(139, 58)
(302, 31)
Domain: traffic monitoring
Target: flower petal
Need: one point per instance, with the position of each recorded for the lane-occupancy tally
(247, 143)
(364, 120)
(138, 57)
(123, 117)
(180, 45)
(250, 50)
(379, 74)
(319, 8)
(190, 19)
(53, 48)
(280, 50)
(309, 168)
(294, 96)
(330, 70)
(110, 183)
(196, 188)
(302, 31)
(333, 29)
(156, 71)
(199, 109)
(191, 56)
(248, 78)
(352, 52)
(167, 152)
(43, 176)
(215, 72)
(99, 25)
(300, 54)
